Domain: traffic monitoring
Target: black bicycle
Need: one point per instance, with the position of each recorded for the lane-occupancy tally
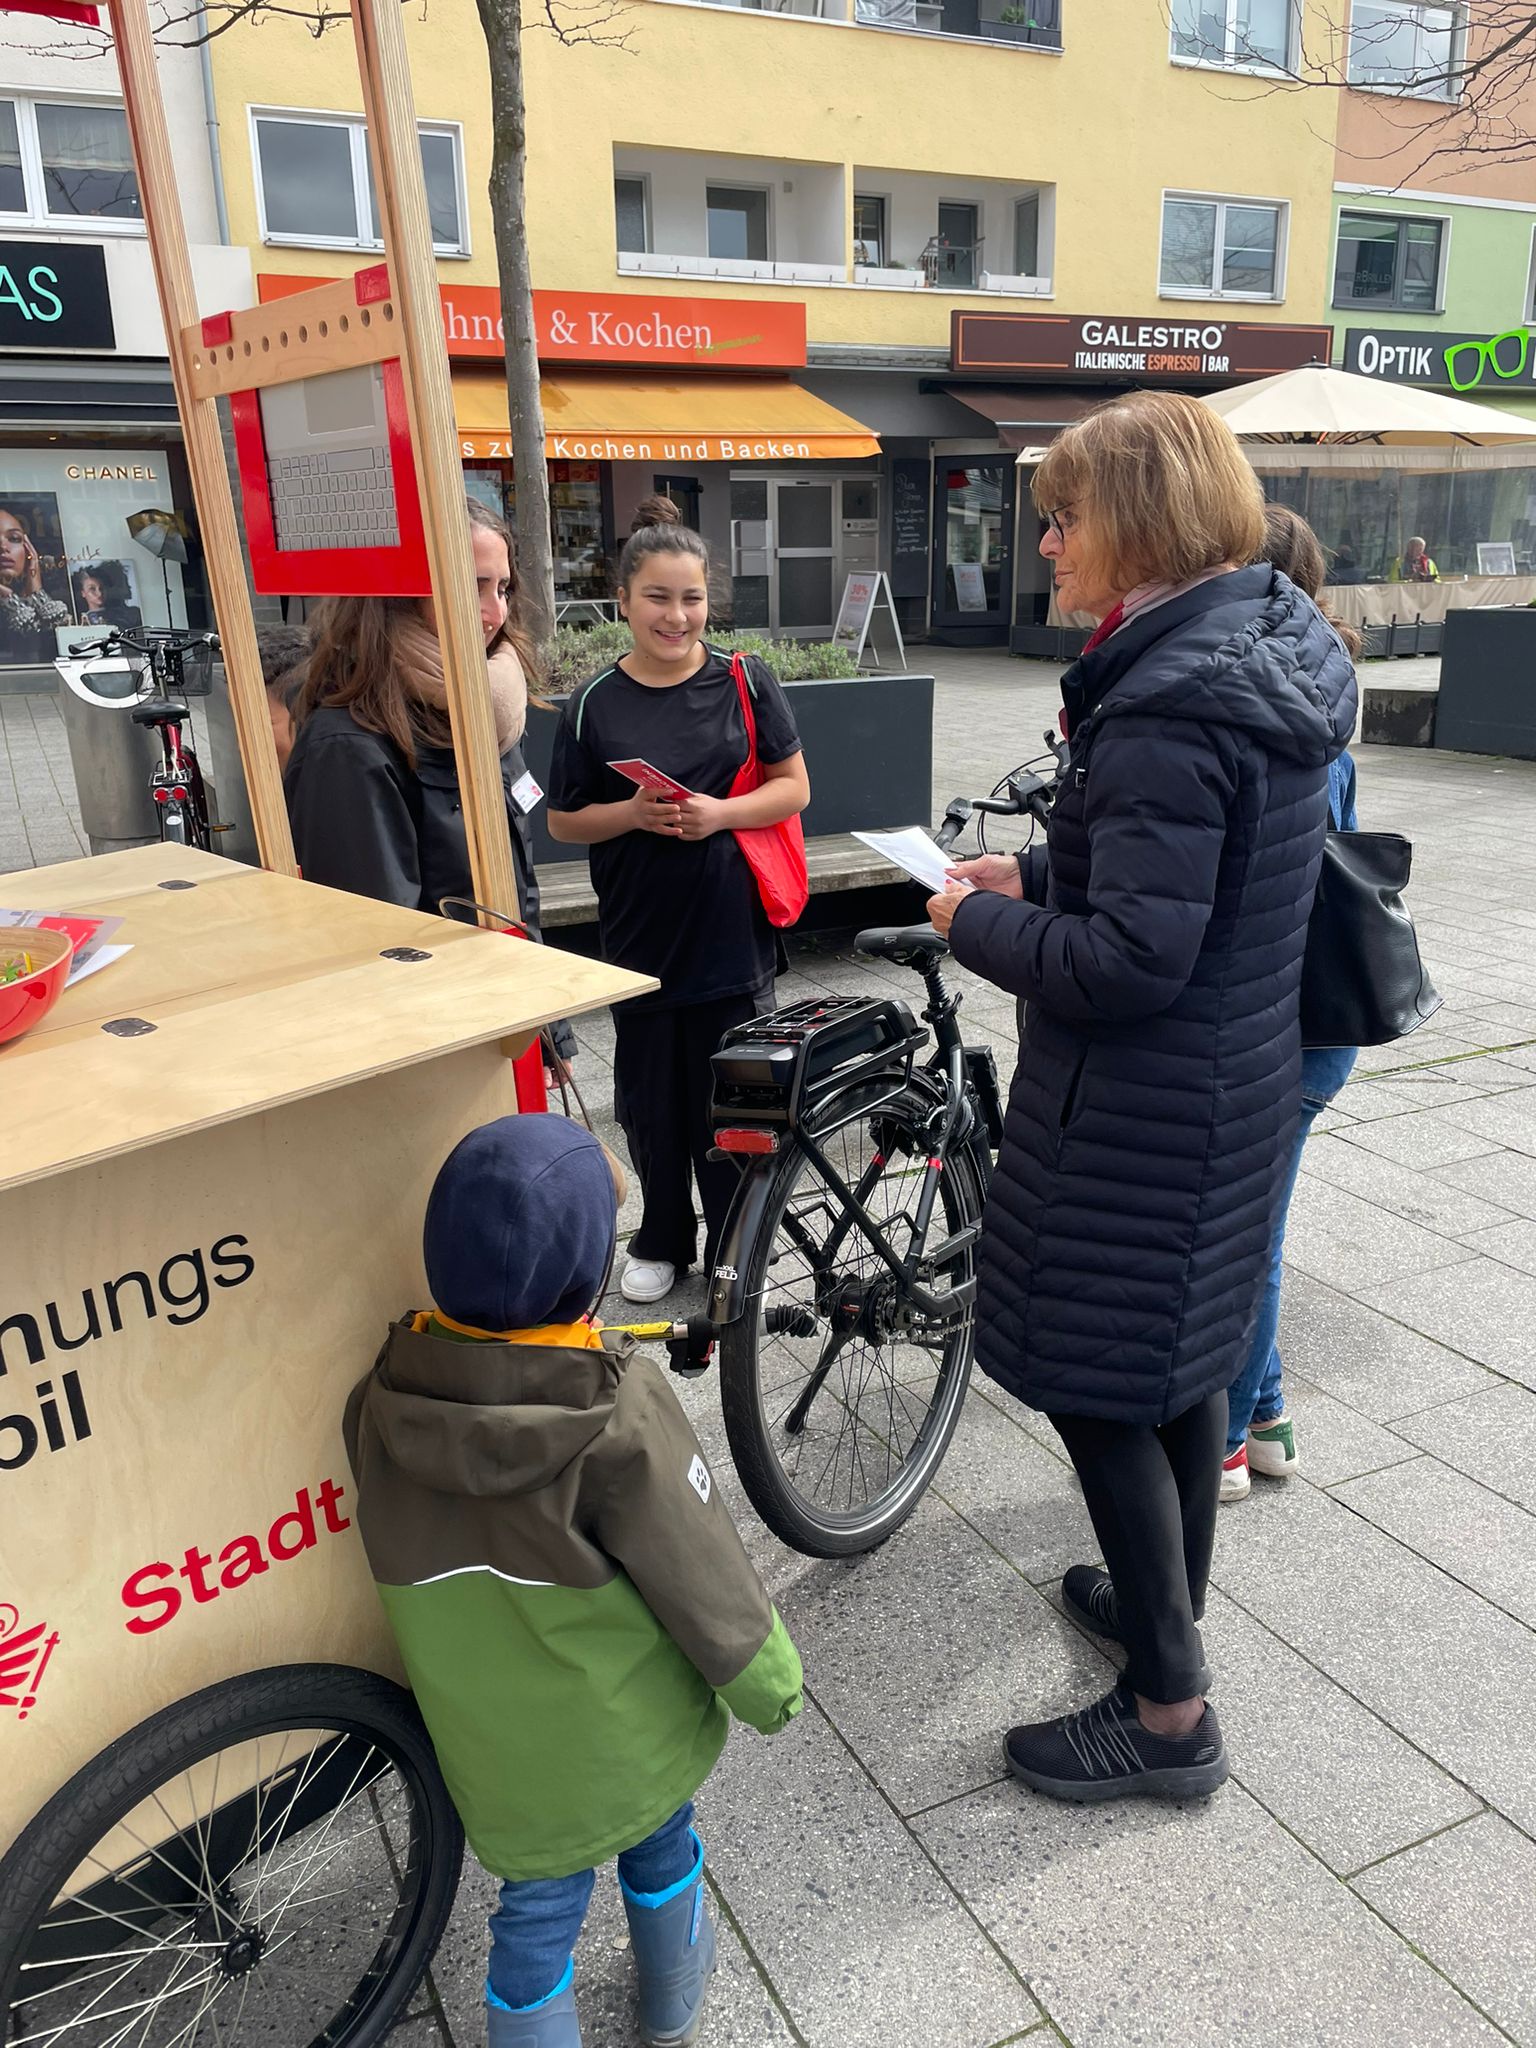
(176, 665)
(844, 1296)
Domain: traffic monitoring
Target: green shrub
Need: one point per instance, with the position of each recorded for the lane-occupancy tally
(581, 651)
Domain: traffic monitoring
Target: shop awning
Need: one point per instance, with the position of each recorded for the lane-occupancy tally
(702, 418)
(1023, 413)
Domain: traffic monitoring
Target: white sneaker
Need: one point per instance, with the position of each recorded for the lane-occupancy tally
(647, 1279)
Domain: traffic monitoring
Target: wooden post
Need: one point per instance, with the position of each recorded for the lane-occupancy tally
(390, 107)
(167, 234)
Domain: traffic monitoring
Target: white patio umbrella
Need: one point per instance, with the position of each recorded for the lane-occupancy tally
(1334, 407)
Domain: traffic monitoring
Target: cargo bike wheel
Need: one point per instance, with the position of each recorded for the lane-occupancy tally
(271, 1860)
(840, 1395)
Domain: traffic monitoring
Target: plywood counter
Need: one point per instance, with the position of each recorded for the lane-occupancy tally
(205, 1230)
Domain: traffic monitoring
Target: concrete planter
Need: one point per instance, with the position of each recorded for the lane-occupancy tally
(868, 747)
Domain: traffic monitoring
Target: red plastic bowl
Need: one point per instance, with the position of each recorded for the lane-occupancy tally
(23, 1002)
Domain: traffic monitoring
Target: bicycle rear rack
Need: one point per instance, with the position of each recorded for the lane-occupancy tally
(772, 1072)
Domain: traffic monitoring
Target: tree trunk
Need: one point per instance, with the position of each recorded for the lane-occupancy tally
(503, 25)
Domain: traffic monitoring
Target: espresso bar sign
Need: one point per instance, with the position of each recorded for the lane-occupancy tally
(1151, 351)
(54, 295)
(1453, 362)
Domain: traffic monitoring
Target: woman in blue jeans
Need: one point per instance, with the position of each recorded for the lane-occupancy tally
(1261, 1436)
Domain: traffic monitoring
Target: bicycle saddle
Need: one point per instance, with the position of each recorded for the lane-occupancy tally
(909, 945)
(159, 711)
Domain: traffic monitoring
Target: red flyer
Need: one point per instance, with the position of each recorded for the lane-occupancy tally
(644, 776)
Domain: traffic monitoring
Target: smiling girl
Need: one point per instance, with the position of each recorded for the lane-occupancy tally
(675, 896)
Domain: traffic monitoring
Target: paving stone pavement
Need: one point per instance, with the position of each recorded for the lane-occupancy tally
(1370, 1874)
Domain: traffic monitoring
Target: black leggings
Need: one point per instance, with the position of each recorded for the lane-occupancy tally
(662, 1085)
(1152, 1492)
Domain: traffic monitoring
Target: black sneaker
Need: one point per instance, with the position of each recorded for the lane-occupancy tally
(1088, 1595)
(1104, 1752)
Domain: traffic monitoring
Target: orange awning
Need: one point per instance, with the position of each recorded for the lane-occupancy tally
(698, 418)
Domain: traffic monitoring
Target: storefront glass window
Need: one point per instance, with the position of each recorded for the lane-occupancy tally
(973, 539)
(1364, 523)
(67, 558)
(576, 511)
(87, 162)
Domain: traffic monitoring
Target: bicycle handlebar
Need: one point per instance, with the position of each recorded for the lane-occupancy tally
(146, 640)
(1029, 796)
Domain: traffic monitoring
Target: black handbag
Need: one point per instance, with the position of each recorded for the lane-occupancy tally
(1362, 981)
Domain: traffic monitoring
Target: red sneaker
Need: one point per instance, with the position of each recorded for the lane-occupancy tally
(1234, 1474)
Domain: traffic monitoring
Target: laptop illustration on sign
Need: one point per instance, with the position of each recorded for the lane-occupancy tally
(329, 485)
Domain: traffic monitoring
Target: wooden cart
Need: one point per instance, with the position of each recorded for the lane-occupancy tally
(214, 1162)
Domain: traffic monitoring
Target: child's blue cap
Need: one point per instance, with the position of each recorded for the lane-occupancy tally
(520, 1225)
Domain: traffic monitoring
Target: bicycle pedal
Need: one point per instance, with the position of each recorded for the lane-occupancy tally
(688, 1359)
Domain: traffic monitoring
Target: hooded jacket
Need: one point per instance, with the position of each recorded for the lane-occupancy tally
(1159, 951)
(570, 1596)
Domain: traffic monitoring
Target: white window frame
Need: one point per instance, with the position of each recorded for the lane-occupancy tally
(643, 180)
(1528, 315)
(1221, 201)
(36, 214)
(357, 133)
(770, 219)
(1444, 221)
(1229, 60)
(1030, 199)
(1449, 98)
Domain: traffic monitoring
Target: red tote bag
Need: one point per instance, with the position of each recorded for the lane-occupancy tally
(774, 853)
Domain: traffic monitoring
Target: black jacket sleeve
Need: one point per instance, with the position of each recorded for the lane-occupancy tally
(1156, 816)
(353, 824)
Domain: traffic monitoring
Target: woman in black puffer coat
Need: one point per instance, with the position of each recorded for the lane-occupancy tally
(1157, 940)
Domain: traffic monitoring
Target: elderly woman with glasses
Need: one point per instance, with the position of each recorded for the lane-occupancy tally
(1156, 939)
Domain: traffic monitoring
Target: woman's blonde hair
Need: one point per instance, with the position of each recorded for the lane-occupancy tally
(1161, 485)
(356, 660)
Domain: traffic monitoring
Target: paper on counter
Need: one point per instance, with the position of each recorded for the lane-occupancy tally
(103, 956)
(914, 852)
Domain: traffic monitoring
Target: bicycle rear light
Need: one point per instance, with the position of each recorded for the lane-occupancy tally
(747, 1141)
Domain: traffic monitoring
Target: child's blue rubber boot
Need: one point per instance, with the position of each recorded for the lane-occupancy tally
(673, 1937)
(552, 2023)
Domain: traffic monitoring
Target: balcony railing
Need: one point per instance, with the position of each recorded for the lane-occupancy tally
(763, 269)
(1035, 22)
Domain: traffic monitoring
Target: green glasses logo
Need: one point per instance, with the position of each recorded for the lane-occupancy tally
(1505, 355)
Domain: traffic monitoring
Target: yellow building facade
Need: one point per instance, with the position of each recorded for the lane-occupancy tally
(990, 214)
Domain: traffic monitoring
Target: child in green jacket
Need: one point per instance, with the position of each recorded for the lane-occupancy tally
(571, 1599)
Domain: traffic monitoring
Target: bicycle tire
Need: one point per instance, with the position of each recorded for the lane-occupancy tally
(746, 1361)
(40, 1872)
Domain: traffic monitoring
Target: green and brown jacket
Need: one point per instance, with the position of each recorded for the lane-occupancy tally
(570, 1595)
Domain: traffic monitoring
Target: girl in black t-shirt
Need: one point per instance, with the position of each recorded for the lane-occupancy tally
(675, 896)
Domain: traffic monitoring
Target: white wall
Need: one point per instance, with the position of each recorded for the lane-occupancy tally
(806, 221)
(912, 213)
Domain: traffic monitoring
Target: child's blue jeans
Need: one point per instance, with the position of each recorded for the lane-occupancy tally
(535, 1928)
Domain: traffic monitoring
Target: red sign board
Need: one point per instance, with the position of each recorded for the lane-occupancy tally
(56, 10)
(1161, 351)
(615, 327)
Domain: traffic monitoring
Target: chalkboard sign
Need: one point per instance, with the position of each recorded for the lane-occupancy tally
(909, 526)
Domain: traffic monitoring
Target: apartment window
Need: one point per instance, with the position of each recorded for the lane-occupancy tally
(1389, 264)
(1406, 46)
(631, 216)
(1236, 32)
(1221, 249)
(62, 160)
(869, 229)
(738, 222)
(1026, 236)
(315, 183)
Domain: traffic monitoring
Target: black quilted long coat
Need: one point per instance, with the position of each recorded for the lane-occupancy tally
(1159, 952)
